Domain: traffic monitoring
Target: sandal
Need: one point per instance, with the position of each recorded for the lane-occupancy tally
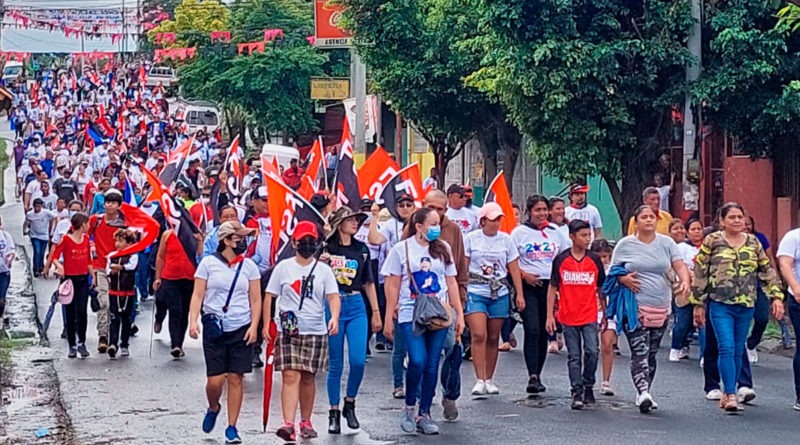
(399, 393)
(505, 347)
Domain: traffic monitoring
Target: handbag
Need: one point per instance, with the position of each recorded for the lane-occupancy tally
(66, 291)
(212, 324)
(94, 301)
(429, 312)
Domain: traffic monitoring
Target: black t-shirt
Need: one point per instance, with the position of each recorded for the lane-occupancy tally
(350, 265)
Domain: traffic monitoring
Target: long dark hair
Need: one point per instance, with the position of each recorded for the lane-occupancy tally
(437, 248)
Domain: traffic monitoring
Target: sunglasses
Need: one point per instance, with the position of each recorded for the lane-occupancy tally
(405, 205)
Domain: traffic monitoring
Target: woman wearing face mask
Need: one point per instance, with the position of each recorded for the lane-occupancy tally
(350, 261)
(226, 213)
(493, 267)
(538, 243)
(301, 350)
(420, 266)
(729, 267)
(227, 288)
(174, 284)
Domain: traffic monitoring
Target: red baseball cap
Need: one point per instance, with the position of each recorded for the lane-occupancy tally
(304, 229)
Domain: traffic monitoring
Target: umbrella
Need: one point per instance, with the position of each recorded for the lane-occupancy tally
(49, 316)
(452, 377)
(273, 334)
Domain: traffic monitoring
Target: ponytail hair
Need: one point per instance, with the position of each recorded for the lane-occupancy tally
(438, 248)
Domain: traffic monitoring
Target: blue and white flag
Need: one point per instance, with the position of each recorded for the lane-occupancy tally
(129, 195)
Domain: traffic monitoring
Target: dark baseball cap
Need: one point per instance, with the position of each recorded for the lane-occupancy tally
(457, 189)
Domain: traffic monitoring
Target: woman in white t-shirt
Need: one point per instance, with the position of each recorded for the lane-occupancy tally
(227, 287)
(302, 284)
(493, 267)
(538, 243)
(428, 261)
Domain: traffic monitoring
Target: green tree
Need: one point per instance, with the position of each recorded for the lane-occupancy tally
(192, 21)
(266, 93)
(417, 57)
(749, 80)
(590, 82)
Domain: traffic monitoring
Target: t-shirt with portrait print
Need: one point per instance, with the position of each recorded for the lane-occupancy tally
(430, 274)
(489, 257)
(350, 265)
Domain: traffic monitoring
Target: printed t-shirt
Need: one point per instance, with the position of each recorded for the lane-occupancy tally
(489, 257)
(464, 218)
(577, 282)
(350, 265)
(286, 282)
(538, 248)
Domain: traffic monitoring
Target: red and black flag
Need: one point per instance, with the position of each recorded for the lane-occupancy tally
(175, 214)
(404, 184)
(286, 209)
(176, 162)
(346, 178)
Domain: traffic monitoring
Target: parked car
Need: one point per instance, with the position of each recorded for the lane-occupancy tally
(198, 115)
(165, 75)
(12, 72)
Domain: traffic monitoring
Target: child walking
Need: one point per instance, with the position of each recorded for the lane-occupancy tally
(608, 337)
(121, 273)
(577, 278)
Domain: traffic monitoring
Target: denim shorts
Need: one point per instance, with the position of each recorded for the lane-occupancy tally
(498, 308)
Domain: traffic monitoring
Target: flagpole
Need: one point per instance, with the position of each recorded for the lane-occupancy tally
(324, 163)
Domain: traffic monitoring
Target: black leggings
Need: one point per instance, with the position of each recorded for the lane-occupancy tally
(177, 297)
(76, 311)
(534, 318)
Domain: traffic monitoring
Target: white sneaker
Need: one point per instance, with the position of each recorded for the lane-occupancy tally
(479, 389)
(645, 402)
(752, 355)
(702, 362)
(746, 395)
(714, 394)
(124, 352)
(684, 353)
(605, 389)
(491, 388)
(674, 355)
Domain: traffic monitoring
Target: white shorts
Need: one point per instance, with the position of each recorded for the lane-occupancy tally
(612, 324)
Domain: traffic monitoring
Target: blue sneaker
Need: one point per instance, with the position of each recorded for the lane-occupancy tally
(210, 419)
(232, 435)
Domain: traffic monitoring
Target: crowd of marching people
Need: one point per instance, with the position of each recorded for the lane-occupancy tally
(121, 204)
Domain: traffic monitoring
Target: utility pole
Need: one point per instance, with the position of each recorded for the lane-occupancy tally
(358, 74)
(691, 195)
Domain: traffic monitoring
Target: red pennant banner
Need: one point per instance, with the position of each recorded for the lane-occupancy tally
(250, 47)
(272, 34)
(175, 54)
(221, 36)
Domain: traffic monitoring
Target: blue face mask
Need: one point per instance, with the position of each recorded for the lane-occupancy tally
(433, 233)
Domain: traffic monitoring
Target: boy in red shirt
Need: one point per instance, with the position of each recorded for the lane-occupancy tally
(577, 278)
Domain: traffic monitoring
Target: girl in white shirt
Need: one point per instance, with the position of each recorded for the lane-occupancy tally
(538, 243)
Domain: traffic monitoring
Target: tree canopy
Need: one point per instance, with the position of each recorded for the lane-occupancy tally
(417, 60)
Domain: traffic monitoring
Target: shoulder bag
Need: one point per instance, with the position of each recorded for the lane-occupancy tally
(212, 324)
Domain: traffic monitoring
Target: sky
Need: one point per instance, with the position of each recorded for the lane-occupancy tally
(43, 41)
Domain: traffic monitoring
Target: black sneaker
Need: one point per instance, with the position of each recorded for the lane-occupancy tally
(588, 396)
(73, 352)
(112, 352)
(533, 385)
(176, 352)
(134, 330)
(797, 404)
(380, 347)
(577, 400)
(83, 351)
(64, 334)
(256, 361)
(468, 353)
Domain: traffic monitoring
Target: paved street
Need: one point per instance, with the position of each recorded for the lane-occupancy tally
(155, 400)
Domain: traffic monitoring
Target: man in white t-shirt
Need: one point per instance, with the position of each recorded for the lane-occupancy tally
(580, 209)
(431, 181)
(464, 218)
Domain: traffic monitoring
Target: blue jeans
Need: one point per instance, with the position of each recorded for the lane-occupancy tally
(398, 355)
(424, 353)
(450, 377)
(684, 319)
(760, 319)
(731, 324)
(142, 274)
(352, 325)
(794, 315)
(583, 349)
(5, 280)
(39, 247)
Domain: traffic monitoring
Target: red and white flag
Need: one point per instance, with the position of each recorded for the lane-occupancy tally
(233, 164)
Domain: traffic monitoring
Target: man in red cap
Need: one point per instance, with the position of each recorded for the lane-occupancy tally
(582, 210)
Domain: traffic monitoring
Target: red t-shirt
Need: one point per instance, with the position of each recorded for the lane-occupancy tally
(196, 212)
(76, 255)
(176, 264)
(103, 236)
(577, 282)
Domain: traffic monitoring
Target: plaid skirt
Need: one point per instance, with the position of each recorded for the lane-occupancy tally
(307, 353)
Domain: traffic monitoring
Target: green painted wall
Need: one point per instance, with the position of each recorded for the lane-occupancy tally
(599, 196)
